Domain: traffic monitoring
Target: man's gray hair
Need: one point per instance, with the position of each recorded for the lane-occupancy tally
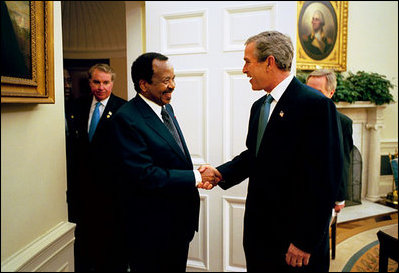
(320, 15)
(331, 83)
(104, 68)
(276, 44)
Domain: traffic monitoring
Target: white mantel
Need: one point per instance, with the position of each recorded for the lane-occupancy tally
(367, 123)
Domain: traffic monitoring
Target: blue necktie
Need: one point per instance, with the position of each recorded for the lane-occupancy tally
(94, 120)
(263, 118)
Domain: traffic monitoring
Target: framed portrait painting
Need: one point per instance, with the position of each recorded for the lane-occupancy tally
(27, 52)
(322, 28)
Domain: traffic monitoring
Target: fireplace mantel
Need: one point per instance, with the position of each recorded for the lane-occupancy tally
(367, 123)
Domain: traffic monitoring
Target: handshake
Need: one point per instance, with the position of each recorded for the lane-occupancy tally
(210, 177)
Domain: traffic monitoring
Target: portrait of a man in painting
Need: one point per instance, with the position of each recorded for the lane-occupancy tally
(16, 59)
(317, 27)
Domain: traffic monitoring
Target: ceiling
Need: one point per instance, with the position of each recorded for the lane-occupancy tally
(93, 28)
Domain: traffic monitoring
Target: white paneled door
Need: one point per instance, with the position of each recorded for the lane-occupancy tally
(212, 100)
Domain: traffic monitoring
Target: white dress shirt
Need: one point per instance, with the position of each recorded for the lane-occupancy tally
(103, 103)
(278, 91)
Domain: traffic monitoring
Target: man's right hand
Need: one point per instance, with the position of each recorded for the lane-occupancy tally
(210, 177)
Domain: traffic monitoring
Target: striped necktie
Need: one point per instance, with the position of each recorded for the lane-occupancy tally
(172, 129)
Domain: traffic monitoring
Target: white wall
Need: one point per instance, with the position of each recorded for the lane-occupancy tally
(373, 47)
(135, 38)
(33, 164)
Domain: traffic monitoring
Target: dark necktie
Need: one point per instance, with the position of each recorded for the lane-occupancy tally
(94, 120)
(172, 129)
(263, 118)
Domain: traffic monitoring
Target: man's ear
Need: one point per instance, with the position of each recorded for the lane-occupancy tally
(143, 85)
(270, 61)
(332, 93)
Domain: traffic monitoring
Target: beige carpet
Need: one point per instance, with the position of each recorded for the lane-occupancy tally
(349, 247)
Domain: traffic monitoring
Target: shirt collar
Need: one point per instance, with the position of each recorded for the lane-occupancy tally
(279, 90)
(155, 107)
(103, 102)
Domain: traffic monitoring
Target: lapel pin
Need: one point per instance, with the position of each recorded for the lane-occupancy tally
(109, 114)
(281, 114)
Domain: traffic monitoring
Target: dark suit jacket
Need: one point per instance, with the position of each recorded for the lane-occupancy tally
(293, 180)
(157, 179)
(90, 195)
(347, 131)
(87, 158)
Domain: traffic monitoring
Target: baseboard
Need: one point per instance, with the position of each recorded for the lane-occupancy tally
(52, 252)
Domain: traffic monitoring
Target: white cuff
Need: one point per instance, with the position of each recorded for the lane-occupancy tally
(198, 178)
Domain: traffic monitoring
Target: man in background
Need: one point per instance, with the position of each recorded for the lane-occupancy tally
(325, 81)
(91, 197)
(67, 86)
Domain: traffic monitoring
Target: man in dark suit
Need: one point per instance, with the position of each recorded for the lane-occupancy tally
(325, 81)
(91, 201)
(157, 180)
(293, 164)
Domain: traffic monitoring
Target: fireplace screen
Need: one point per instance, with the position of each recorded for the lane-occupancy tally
(354, 187)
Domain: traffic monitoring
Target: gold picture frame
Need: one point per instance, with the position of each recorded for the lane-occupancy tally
(27, 74)
(322, 30)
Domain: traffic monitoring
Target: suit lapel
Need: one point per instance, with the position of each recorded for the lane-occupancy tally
(85, 111)
(108, 111)
(157, 125)
(282, 107)
(280, 111)
(105, 117)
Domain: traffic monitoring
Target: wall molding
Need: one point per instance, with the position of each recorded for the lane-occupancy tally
(235, 133)
(189, 23)
(236, 18)
(233, 213)
(199, 79)
(388, 146)
(53, 251)
(198, 257)
(94, 53)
